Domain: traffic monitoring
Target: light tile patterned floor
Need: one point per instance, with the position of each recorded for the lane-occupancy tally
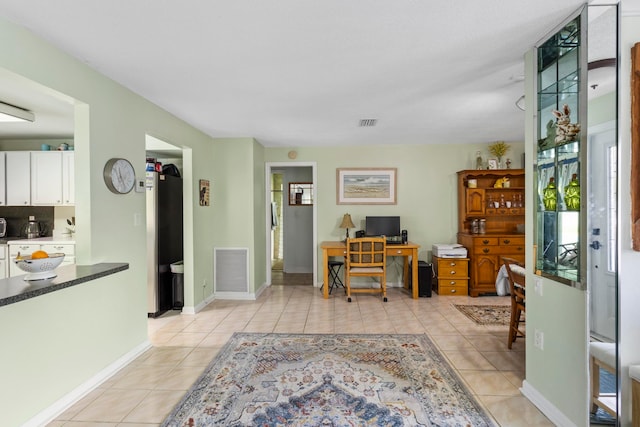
(146, 390)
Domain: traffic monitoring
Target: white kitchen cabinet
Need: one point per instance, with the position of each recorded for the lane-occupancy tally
(3, 261)
(18, 178)
(24, 249)
(68, 178)
(46, 178)
(3, 180)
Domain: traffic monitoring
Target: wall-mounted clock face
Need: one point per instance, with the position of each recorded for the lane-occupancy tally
(119, 176)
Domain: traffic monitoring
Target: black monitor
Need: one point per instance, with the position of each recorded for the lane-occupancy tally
(382, 226)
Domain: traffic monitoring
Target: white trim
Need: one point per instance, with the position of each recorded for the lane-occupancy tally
(546, 407)
(68, 400)
(269, 166)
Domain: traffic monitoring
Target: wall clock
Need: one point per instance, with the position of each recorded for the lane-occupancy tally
(119, 176)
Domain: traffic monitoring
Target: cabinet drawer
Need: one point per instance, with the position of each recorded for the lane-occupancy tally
(444, 264)
(485, 241)
(3, 251)
(460, 288)
(23, 249)
(511, 241)
(66, 249)
(498, 250)
(453, 271)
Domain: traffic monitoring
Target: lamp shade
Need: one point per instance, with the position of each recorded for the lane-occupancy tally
(346, 222)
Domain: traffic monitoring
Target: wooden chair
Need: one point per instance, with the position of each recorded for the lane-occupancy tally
(366, 257)
(602, 355)
(517, 285)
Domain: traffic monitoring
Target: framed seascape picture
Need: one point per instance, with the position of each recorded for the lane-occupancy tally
(366, 186)
(204, 192)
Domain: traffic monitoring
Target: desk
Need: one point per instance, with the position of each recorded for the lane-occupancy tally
(339, 249)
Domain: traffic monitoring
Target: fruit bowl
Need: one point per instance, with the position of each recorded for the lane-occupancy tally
(39, 268)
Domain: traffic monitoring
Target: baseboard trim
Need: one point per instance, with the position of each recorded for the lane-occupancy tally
(546, 407)
(50, 413)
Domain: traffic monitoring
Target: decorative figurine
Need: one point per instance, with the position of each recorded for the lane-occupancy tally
(572, 194)
(565, 130)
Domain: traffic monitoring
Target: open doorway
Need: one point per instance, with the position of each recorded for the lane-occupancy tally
(291, 223)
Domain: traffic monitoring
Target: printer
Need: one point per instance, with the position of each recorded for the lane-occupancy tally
(449, 250)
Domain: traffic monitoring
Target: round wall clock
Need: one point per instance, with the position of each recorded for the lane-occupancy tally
(119, 176)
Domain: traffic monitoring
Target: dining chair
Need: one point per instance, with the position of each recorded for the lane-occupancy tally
(517, 284)
(366, 257)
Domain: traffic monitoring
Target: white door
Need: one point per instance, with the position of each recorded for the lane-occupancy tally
(602, 231)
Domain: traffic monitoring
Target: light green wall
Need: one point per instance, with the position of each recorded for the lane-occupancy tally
(426, 188)
(61, 340)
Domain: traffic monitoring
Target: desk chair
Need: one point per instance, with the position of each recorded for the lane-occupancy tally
(334, 278)
(366, 257)
(517, 284)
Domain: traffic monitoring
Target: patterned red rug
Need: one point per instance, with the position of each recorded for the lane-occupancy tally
(486, 314)
(328, 380)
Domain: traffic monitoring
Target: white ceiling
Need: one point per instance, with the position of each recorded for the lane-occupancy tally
(298, 73)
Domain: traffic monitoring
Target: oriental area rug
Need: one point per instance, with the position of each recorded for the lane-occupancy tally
(486, 314)
(261, 379)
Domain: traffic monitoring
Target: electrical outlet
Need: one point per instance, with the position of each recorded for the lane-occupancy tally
(538, 339)
(537, 282)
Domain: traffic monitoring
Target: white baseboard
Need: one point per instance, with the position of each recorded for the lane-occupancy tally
(85, 388)
(546, 407)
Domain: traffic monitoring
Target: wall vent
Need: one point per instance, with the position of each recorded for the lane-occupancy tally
(231, 270)
(368, 122)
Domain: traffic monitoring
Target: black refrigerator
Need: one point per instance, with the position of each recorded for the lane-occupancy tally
(164, 239)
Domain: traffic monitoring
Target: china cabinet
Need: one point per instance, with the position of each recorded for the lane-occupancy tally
(493, 199)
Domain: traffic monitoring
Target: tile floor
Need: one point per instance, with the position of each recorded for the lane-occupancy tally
(146, 390)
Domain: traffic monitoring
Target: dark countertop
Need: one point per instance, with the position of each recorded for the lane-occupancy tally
(15, 289)
(4, 240)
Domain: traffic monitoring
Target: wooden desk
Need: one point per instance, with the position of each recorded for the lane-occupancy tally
(339, 249)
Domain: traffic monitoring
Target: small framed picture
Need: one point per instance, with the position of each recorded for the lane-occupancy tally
(204, 192)
(492, 164)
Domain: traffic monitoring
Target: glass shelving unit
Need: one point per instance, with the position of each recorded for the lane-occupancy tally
(558, 173)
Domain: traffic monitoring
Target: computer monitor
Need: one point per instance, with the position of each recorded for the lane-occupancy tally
(382, 226)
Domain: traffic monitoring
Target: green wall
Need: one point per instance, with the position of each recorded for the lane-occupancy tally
(426, 188)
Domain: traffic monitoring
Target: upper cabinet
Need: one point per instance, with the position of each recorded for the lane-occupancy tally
(18, 178)
(38, 178)
(561, 66)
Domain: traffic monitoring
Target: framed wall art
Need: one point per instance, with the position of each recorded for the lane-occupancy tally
(204, 192)
(492, 164)
(366, 186)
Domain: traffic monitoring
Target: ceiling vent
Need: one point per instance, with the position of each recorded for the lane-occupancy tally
(368, 122)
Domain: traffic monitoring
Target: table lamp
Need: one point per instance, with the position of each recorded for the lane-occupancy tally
(347, 223)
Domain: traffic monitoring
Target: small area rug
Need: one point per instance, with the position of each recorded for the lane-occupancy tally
(262, 379)
(486, 314)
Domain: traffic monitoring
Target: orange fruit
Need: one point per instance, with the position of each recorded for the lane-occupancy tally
(39, 254)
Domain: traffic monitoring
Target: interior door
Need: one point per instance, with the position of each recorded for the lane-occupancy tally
(602, 231)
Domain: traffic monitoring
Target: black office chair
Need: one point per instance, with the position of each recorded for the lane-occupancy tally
(334, 275)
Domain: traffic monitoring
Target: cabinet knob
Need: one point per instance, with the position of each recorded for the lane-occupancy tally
(506, 241)
(453, 291)
(452, 264)
(485, 241)
(399, 251)
(452, 272)
(453, 282)
(485, 250)
(520, 249)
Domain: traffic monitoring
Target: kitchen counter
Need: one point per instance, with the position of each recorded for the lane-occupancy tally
(57, 240)
(16, 289)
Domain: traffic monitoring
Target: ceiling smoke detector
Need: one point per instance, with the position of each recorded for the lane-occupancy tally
(368, 122)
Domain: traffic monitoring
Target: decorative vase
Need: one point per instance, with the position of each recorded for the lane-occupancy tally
(572, 194)
(549, 196)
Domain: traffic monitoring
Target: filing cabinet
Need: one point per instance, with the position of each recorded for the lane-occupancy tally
(452, 276)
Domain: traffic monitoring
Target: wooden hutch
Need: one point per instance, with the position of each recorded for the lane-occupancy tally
(502, 212)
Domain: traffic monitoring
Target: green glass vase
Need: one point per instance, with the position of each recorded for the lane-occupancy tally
(572, 194)
(550, 196)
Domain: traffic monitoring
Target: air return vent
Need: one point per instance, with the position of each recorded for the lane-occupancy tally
(368, 122)
(231, 270)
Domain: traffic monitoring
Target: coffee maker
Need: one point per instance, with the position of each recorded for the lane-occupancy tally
(32, 229)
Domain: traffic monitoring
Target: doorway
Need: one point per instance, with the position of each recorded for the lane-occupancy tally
(291, 227)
